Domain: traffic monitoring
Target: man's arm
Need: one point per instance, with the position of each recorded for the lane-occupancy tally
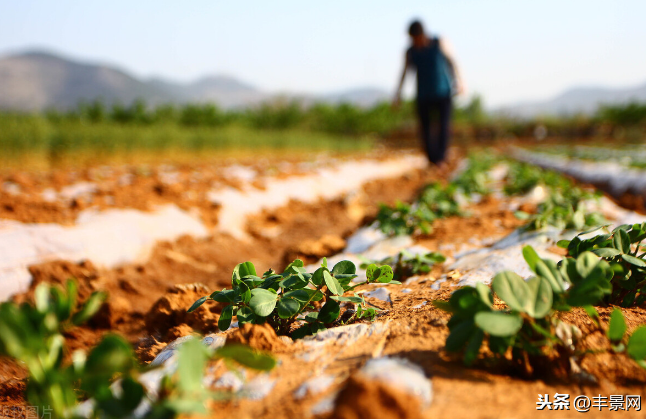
(447, 50)
(398, 94)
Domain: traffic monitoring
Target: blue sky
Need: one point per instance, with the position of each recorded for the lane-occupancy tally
(508, 50)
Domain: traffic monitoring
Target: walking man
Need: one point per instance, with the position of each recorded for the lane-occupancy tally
(438, 79)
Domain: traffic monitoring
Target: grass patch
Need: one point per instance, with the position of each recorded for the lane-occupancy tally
(37, 142)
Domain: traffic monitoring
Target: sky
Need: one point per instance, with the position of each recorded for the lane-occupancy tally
(508, 51)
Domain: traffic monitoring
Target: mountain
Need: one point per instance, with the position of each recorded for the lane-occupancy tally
(366, 96)
(582, 100)
(226, 91)
(39, 80)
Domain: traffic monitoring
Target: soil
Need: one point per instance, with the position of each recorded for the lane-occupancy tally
(261, 337)
(364, 399)
(147, 305)
(39, 197)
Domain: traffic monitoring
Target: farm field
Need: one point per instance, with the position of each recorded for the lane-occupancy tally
(383, 331)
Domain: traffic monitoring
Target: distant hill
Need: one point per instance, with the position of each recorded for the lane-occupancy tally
(226, 91)
(366, 96)
(578, 100)
(39, 80)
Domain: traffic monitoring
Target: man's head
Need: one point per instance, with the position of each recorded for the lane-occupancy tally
(416, 32)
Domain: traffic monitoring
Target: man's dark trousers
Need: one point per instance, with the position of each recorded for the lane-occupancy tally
(434, 120)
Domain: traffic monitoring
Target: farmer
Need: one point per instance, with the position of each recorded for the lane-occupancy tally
(438, 79)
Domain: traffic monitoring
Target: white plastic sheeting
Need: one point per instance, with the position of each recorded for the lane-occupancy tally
(618, 178)
(117, 236)
(327, 183)
(107, 238)
(506, 254)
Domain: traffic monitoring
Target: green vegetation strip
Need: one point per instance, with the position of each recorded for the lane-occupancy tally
(563, 208)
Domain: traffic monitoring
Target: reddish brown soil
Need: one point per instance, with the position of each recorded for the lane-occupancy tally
(486, 220)
(364, 399)
(261, 337)
(144, 187)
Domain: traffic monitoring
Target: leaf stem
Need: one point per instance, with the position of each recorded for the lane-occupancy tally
(318, 288)
(357, 285)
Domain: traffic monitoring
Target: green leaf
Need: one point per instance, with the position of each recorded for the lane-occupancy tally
(197, 304)
(356, 300)
(302, 295)
(385, 274)
(531, 257)
(573, 247)
(324, 263)
(72, 294)
(617, 326)
(567, 269)
(133, 393)
(443, 305)
(370, 272)
(113, 354)
(634, 261)
(473, 347)
(344, 267)
(287, 307)
(311, 317)
(606, 252)
(245, 315)
(224, 296)
(332, 284)
(585, 263)
(294, 282)
(314, 294)
(295, 264)
(262, 302)
(547, 269)
(225, 317)
(512, 289)
(244, 293)
(241, 270)
(90, 308)
(590, 290)
(466, 301)
(621, 240)
(636, 347)
(499, 345)
(329, 312)
(253, 281)
(497, 323)
(484, 292)
(459, 336)
(563, 244)
(247, 357)
(41, 297)
(593, 313)
(592, 230)
(192, 357)
(541, 301)
(317, 276)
